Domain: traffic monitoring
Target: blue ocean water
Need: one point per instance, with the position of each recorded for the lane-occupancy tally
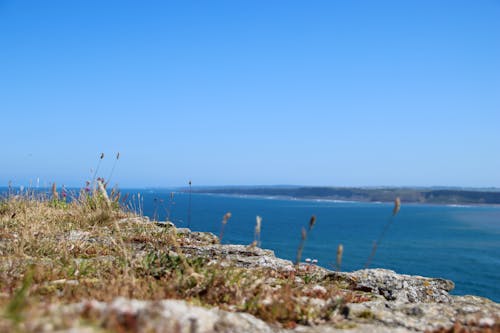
(460, 243)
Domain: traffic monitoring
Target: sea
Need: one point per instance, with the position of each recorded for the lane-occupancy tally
(456, 242)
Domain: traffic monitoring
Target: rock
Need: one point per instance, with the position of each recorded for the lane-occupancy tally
(134, 219)
(240, 255)
(77, 235)
(206, 238)
(426, 316)
(168, 316)
(398, 287)
(165, 224)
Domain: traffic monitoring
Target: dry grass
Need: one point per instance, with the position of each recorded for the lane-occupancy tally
(395, 211)
(55, 252)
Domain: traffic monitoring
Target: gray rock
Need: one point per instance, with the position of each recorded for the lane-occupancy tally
(240, 255)
(377, 316)
(398, 287)
(425, 316)
(170, 316)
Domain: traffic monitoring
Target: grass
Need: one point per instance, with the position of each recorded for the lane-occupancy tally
(395, 211)
(56, 252)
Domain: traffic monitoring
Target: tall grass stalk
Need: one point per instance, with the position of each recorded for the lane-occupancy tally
(155, 213)
(135, 203)
(113, 168)
(168, 208)
(303, 238)
(225, 218)
(189, 206)
(258, 222)
(55, 195)
(340, 252)
(395, 211)
(96, 170)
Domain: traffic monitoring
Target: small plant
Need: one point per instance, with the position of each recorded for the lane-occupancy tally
(59, 201)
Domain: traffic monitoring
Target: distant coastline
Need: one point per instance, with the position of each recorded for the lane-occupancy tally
(416, 195)
(359, 194)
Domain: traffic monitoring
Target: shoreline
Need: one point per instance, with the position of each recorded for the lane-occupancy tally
(322, 199)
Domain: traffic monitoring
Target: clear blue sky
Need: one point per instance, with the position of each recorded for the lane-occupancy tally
(251, 92)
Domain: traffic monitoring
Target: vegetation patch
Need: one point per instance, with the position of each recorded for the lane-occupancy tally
(55, 252)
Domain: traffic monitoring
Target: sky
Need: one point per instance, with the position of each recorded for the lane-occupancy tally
(334, 93)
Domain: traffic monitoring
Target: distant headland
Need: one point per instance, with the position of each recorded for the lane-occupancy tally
(432, 195)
